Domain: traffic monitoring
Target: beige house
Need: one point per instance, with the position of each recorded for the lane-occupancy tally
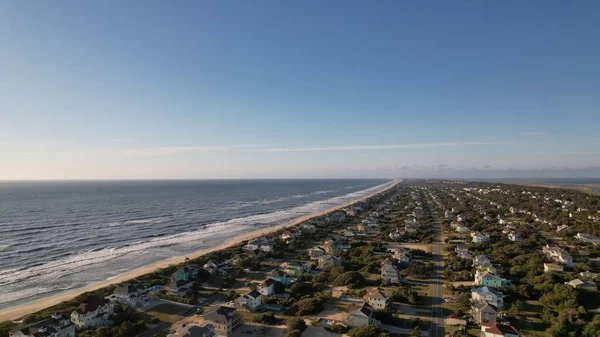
(377, 299)
(223, 319)
(361, 316)
(550, 267)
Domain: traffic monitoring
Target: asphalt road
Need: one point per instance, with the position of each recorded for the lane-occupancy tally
(437, 299)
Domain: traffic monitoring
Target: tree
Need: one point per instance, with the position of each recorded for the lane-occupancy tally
(365, 331)
(415, 332)
(296, 324)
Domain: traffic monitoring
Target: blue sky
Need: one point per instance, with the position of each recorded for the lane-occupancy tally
(259, 89)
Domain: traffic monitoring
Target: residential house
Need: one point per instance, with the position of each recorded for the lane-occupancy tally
(498, 330)
(315, 253)
(193, 330)
(307, 229)
(514, 237)
(57, 326)
(552, 267)
(179, 288)
(280, 276)
(186, 273)
(480, 238)
(377, 299)
(481, 260)
(487, 294)
(264, 244)
(589, 275)
(136, 296)
(331, 247)
(93, 313)
(558, 254)
(295, 268)
(484, 312)
(562, 229)
(389, 272)
(401, 254)
(486, 278)
(329, 261)
(267, 287)
(217, 268)
(589, 238)
(584, 285)
(361, 316)
(223, 319)
(250, 301)
(288, 236)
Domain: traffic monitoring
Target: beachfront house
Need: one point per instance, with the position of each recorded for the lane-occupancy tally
(56, 326)
(250, 301)
(136, 296)
(179, 288)
(186, 273)
(361, 316)
(223, 319)
(217, 268)
(93, 313)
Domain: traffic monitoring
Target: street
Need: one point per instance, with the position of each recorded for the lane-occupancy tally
(437, 298)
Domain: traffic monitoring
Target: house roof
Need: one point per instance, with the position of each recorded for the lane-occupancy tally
(365, 310)
(376, 293)
(221, 314)
(499, 328)
(253, 294)
(91, 305)
(194, 330)
(483, 305)
(486, 289)
(268, 282)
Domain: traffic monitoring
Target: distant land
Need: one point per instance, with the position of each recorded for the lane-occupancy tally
(587, 185)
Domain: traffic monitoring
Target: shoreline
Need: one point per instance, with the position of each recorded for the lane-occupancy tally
(21, 310)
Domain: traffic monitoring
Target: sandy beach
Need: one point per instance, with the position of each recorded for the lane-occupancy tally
(28, 308)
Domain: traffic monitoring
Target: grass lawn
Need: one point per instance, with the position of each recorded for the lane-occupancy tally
(166, 312)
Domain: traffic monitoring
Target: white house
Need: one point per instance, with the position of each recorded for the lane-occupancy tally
(487, 295)
(250, 301)
(56, 326)
(558, 254)
(481, 260)
(137, 296)
(267, 287)
(194, 330)
(92, 314)
(217, 268)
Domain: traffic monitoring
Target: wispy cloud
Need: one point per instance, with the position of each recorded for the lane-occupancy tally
(379, 147)
(173, 150)
(533, 133)
(127, 140)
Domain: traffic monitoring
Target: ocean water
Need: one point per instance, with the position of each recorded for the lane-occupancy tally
(56, 236)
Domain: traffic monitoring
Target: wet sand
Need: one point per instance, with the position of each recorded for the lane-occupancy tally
(28, 308)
